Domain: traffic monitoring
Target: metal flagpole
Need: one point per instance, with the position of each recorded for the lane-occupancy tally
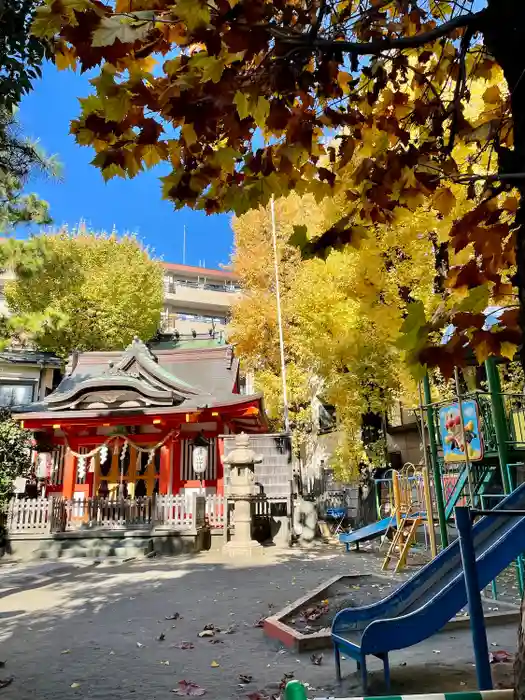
(184, 246)
(279, 319)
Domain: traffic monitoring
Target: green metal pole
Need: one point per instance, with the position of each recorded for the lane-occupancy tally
(500, 423)
(502, 436)
(438, 486)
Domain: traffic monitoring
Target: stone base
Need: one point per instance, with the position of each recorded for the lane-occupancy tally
(247, 549)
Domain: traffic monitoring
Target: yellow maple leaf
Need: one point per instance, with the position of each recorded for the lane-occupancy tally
(115, 108)
(241, 102)
(176, 33)
(444, 200)
(260, 111)
(147, 64)
(482, 351)
(46, 23)
(112, 171)
(344, 79)
(133, 167)
(194, 13)
(508, 350)
(65, 58)
(188, 133)
(151, 156)
(492, 95)
(214, 664)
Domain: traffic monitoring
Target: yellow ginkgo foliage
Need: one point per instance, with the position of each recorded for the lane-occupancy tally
(342, 316)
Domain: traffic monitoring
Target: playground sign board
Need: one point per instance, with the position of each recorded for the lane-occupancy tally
(452, 435)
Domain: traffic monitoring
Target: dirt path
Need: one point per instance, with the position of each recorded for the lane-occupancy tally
(94, 632)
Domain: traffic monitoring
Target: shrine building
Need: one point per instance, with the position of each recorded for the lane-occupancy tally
(125, 424)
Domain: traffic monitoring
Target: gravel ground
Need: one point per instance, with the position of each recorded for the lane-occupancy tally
(93, 632)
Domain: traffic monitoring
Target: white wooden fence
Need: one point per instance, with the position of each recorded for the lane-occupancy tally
(32, 515)
(57, 514)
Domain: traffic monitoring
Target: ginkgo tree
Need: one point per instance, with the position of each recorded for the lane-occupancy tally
(341, 321)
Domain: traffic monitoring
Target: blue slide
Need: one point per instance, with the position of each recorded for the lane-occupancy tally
(369, 532)
(426, 602)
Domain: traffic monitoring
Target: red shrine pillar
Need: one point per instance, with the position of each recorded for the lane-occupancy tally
(220, 466)
(70, 474)
(165, 464)
(176, 480)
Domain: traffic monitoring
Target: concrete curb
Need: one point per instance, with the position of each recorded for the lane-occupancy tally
(275, 628)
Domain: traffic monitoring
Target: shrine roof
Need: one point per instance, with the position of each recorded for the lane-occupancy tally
(141, 380)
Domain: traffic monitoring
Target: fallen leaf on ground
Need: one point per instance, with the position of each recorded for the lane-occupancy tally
(112, 653)
(316, 659)
(216, 641)
(245, 678)
(73, 685)
(165, 663)
(260, 622)
(436, 651)
(6, 681)
(498, 657)
(140, 645)
(184, 645)
(174, 616)
(66, 651)
(161, 637)
(206, 633)
(230, 629)
(214, 664)
(188, 688)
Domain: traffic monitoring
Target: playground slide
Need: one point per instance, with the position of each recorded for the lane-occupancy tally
(369, 532)
(423, 605)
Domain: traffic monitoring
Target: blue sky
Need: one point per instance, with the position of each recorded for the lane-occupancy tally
(130, 205)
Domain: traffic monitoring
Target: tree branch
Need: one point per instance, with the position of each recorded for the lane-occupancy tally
(377, 46)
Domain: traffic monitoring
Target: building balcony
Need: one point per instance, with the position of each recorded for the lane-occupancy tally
(185, 326)
(202, 298)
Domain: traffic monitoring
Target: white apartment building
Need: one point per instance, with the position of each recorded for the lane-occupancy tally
(197, 300)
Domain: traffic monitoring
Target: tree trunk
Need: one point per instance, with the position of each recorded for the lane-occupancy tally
(504, 33)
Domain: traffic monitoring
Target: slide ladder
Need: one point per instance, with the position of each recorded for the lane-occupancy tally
(403, 539)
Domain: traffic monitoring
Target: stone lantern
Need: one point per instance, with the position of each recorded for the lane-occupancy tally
(241, 461)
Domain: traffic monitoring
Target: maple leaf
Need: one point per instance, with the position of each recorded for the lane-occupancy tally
(115, 108)
(260, 111)
(476, 300)
(46, 23)
(151, 155)
(194, 13)
(444, 201)
(492, 95)
(413, 330)
(210, 66)
(508, 350)
(65, 59)
(240, 100)
(188, 133)
(123, 29)
(112, 171)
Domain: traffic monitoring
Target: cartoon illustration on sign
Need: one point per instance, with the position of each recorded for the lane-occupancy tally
(454, 446)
